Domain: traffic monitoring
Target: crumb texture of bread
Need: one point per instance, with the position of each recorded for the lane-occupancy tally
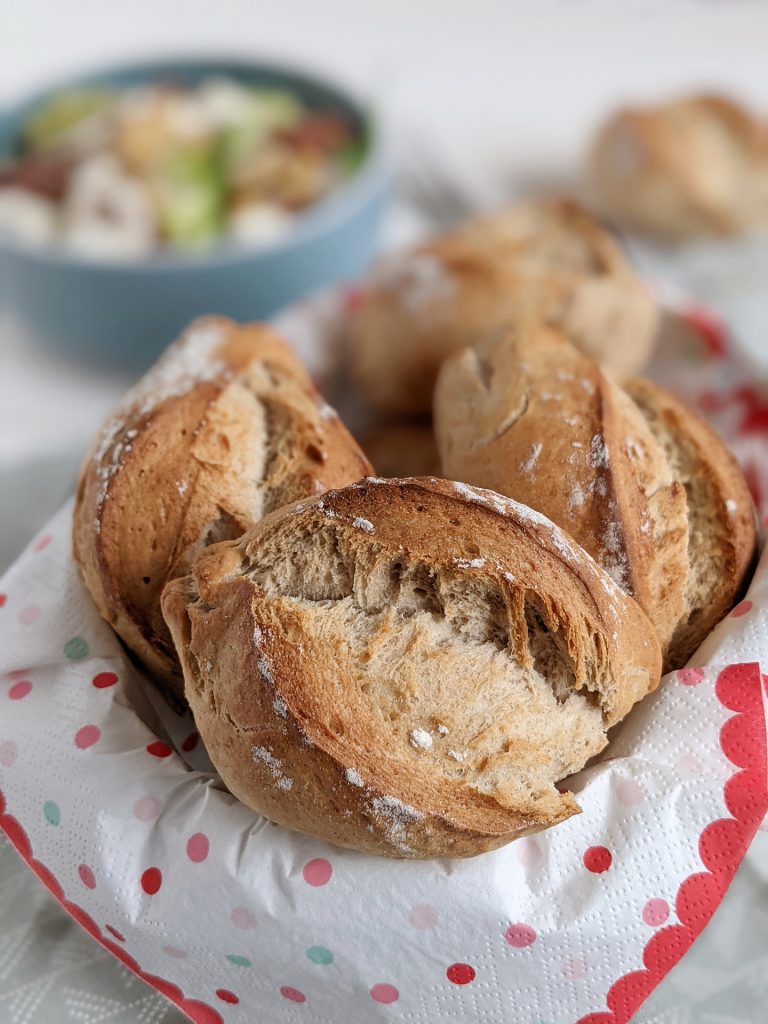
(691, 167)
(225, 427)
(407, 667)
(548, 259)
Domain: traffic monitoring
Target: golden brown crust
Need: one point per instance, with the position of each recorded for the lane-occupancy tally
(694, 166)
(313, 648)
(722, 520)
(529, 416)
(225, 427)
(549, 258)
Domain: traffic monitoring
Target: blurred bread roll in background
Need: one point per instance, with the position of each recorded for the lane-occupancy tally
(402, 448)
(638, 479)
(691, 167)
(407, 667)
(546, 258)
(226, 427)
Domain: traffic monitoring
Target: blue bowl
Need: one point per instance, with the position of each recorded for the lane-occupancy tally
(126, 313)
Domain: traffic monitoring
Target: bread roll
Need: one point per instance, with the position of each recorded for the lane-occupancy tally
(226, 427)
(402, 448)
(693, 167)
(407, 667)
(548, 258)
(635, 477)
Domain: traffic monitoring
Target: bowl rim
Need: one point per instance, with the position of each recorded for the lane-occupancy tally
(368, 182)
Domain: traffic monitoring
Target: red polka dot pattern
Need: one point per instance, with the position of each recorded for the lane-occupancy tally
(741, 609)
(87, 736)
(384, 994)
(114, 932)
(42, 542)
(104, 679)
(317, 872)
(190, 742)
(3, 599)
(690, 676)
(159, 749)
(460, 974)
(151, 881)
(20, 689)
(227, 997)
(197, 847)
(655, 912)
(292, 993)
(597, 859)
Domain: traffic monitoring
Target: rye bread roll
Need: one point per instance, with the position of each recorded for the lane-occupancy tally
(547, 258)
(692, 167)
(226, 427)
(407, 667)
(637, 478)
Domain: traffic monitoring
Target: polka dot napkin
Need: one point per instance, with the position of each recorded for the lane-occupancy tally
(111, 800)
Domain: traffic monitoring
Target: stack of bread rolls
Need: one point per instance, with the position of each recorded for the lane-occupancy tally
(409, 665)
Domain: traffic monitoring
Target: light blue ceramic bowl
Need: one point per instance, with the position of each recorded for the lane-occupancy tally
(125, 313)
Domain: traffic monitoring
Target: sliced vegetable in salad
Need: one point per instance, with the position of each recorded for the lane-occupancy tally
(124, 174)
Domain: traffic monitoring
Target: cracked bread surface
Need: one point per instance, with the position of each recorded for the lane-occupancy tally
(546, 258)
(528, 415)
(225, 427)
(407, 667)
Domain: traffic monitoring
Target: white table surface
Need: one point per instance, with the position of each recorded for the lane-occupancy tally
(505, 91)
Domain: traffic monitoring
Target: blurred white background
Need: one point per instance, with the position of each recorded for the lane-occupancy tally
(500, 90)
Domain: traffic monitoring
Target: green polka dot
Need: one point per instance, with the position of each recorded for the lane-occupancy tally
(239, 961)
(320, 955)
(76, 648)
(52, 812)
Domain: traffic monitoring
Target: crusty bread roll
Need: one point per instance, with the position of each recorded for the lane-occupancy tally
(226, 427)
(636, 478)
(402, 448)
(548, 258)
(692, 167)
(407, 667)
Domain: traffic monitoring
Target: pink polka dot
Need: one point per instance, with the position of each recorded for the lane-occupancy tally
(20, 690)
(29, 615)
(8, 753)
(197, 847)
(317, 872)
(42, 542)
(227, 997)
(243, 918)
(655, 912)
(597, 859)
(159, 749)
(423, 916)
(527, 851)
(460, 974)
(151, 881)
(292, 993)
(113, 931)
(384, 994)
(688, 763)
(629, 792)
(574, 969)
(520, 935)
(87, 877)
(146, 808)
(18, 673)
(690, 676)
(87, 736)
(741, 609)
(104, 679)
(177, 954)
